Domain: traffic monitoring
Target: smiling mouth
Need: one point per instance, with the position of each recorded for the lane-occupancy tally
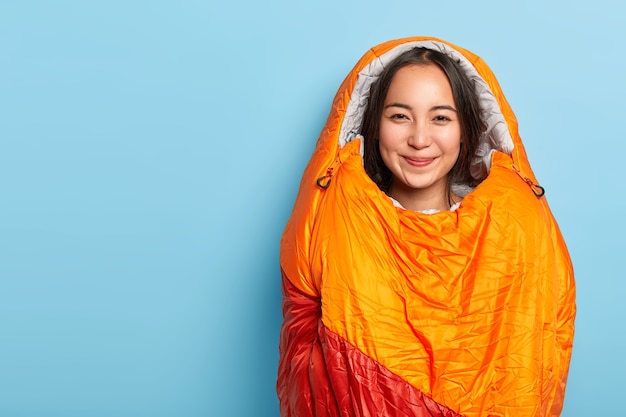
(419, 162)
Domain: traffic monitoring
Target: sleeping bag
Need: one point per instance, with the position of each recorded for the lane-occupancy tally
(391, 312)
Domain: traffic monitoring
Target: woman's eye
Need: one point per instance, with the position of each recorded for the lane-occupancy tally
(398, 116)
(442, 119)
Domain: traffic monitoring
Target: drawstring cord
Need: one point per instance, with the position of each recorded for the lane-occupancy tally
(324, 181)
(537, 189)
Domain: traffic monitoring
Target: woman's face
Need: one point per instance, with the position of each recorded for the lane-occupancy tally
(420, 133)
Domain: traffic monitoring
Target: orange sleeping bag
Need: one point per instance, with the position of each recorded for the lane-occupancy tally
(390, 312)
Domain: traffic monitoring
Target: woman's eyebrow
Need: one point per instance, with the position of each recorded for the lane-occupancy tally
(407, 107)
(443, 107)
(401, 105)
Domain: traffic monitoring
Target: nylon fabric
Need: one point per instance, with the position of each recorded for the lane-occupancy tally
(337, 379)
(472, 310)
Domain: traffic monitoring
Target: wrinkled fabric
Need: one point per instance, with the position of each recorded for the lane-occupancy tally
(389, 312)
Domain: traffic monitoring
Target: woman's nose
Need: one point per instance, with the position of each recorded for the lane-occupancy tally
(419, 137)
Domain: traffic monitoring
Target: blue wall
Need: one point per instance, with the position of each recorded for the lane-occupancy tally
(150, 153)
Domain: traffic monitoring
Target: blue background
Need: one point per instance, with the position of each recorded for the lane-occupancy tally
(150, 154)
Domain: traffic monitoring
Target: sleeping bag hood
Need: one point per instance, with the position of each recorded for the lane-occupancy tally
(391, 312)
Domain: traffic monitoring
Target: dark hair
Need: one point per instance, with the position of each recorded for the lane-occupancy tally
(465, 99)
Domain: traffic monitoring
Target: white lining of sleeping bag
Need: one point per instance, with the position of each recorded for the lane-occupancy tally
(495, 137)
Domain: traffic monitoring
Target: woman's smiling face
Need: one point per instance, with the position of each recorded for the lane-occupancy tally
(420, 135)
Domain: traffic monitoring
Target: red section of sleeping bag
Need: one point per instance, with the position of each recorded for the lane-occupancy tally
(321, 374)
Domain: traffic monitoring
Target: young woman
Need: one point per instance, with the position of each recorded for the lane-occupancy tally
(419, 108)
(423, 273)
